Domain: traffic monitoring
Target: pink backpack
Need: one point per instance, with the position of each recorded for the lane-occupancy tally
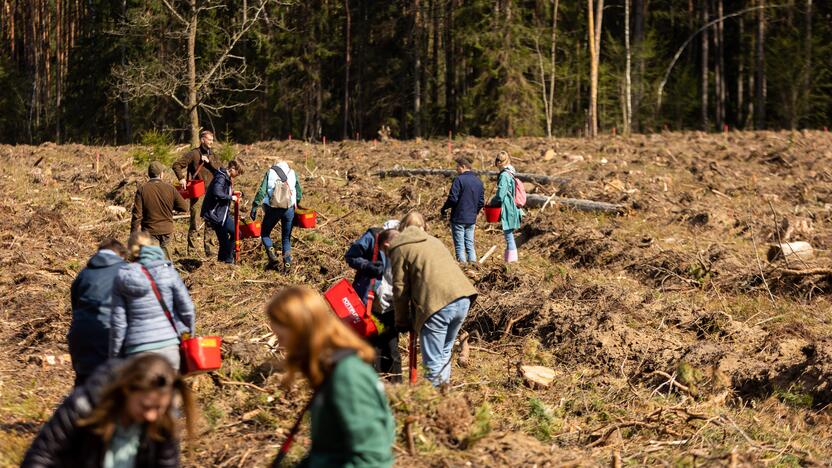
(519, 192)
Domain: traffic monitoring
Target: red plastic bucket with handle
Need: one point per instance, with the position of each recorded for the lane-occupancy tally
(306, 219)
(492, 214)
(348, 307)
(201, 354)
(194, 189)
(250, 229)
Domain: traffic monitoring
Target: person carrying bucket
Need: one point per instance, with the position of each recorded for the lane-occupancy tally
(351, 421)
(510, 213)
(126, 414)
(153, 207)
(373, 274)
(216, 209)
(465, 200)
(431, 296)
(279, 194)
(199, 163)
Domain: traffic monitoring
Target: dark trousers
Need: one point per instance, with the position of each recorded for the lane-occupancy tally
(196, 206)
(163, 240)
(225, 237)
(388, 360)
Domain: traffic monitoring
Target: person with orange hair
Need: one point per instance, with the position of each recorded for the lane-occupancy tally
(351, 420)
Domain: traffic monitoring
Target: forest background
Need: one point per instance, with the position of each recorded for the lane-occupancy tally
(125, 71)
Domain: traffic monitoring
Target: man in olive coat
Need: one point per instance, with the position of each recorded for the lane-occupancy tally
(431, 296)
(154, 205)
(199, 163)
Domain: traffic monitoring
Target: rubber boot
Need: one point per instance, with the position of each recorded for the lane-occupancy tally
(273, 260)
(511, 256)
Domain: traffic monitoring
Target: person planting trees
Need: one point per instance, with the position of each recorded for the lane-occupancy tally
(199, 163)
(431, 296)
(351, 420)
(279, 194)
(216, 209)
(465, 200)
(139, 323)
(373, 273)
(153, 208)
(122, 416)
(92, 305)
(510, 213)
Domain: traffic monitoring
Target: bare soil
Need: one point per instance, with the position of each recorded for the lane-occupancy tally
(674, 338)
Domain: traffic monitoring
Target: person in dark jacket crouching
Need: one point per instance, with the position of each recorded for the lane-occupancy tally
(92, 305)
(351, 420)
(216, 209)
(466, 199)
(122, 416)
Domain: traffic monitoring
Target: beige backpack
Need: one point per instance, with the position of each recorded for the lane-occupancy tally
(282, 194)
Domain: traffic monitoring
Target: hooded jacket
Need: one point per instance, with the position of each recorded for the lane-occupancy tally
(426, 277)
(217, 204)
(62, 443)
(92, 305)
(138, 318)
(509, 214)
(359, 257)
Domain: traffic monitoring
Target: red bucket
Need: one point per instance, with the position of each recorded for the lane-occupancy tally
(348, 307)
(250, 229)
(306, 219)
(201, 354)
(194, 189)
(492, 214)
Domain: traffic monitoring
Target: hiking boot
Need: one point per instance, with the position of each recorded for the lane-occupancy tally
(287, 267)
(273, 260)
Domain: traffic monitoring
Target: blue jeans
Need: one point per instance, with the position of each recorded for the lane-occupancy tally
(437, 339)
(225, 237)
(510, 244)
(464, 242)
(274, 215)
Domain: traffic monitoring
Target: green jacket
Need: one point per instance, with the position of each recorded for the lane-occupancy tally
(426, 277)
(351, 421)
(509, 214)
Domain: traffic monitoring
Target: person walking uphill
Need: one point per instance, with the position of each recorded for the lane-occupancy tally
(122, 416)
(154, 205)
(92, 305)
(139, 323)
(466, 199)
(199, 163)
(351, 420)
(431, 296)
(279, 194)
(510, 214)
(216, 209)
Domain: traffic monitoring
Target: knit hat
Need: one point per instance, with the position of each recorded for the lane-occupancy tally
(155, 169)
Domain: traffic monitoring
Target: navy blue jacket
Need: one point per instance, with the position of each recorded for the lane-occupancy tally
(466, 199)
(92, 305)
(359, 256)
(217, 204)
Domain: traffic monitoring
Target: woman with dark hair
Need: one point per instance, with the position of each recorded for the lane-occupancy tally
(122, 416)
(216, 208)
(351, 420)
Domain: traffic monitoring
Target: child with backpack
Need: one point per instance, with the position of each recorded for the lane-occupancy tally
(511, 195)
(279, 193)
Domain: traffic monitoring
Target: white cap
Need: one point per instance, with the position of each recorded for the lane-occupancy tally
(391, 224)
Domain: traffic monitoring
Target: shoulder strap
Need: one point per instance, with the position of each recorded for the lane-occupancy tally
(337, 356)
(280, 174)
(161, 301)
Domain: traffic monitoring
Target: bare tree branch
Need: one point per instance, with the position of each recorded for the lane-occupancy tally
(175, 13)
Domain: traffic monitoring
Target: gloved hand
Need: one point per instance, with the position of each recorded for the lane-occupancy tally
(253, 214)
(375, 269)
(183, 183)
(443, 212)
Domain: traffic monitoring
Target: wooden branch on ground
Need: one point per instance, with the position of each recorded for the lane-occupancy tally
(540, 179)
(808, 272)
(537, 201)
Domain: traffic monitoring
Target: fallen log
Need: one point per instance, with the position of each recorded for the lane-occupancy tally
(539, 179)
(537, 201)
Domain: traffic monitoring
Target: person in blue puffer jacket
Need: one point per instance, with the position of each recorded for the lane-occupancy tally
(92, 305)
(216, 209)
(138, 323)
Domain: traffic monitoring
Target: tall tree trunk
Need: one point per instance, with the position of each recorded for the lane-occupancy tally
(719, 65)
(434, 97)
(417, 69)
(125, 109)
(347, 62)
(450, 67)
(639, 11)
(594, 28)
(741, 73)
(192, 99)
(760, 70)
(807, 66)
(704, 69)
(628, 85)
